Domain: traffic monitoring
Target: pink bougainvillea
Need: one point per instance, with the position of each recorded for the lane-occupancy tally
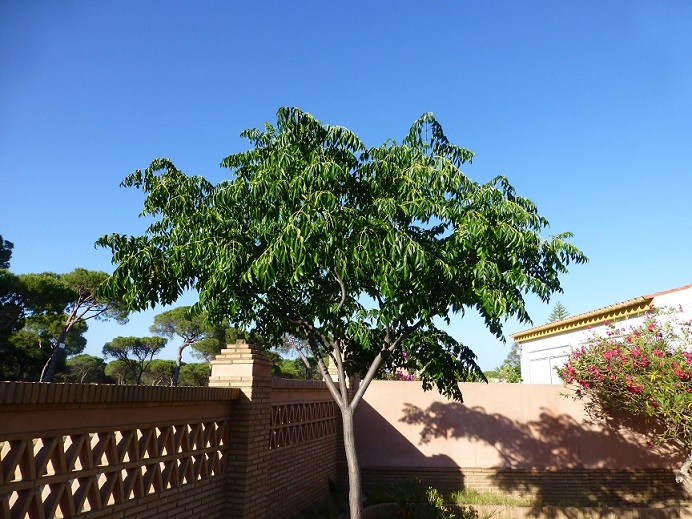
(644, 371)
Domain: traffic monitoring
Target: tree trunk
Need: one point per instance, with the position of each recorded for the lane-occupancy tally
(308, 367)
(355, 493)
(48, 371)
(51, 365)
(178, 362)
(683, 475)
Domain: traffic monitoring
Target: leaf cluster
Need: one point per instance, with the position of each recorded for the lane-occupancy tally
(5, 253)
(356, 250)
(642, 371)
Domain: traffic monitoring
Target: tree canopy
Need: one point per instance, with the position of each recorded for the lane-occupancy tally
(191, 328)
(357, 250)
(85, 368)
(82, 306)
(31, 318)
(510, 369)
(5, 253)
(136, 353)
(43, 316)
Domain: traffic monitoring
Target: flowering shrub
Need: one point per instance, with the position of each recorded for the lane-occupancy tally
(643, 372)
(401, 375)
(400, 366)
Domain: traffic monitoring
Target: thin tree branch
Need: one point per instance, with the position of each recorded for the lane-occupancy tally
(377, 362)
(343, 292)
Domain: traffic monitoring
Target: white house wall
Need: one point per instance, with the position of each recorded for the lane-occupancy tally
(540, 357)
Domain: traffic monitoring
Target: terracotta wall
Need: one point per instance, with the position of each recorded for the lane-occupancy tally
(257, 447)
(303, 445)
(287, 437)
(249, 446)
(74, 450)
(516, 438)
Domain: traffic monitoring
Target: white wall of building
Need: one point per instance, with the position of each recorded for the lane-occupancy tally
(540, 357)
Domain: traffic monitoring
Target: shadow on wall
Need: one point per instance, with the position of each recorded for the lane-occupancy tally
(384, 449)
(555, 458)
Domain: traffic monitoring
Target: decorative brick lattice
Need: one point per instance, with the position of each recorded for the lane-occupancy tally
(301, 422)
(69, 473)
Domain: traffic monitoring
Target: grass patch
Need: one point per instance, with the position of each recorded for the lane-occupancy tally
(335, 506)
(473, 497)
(387, 494)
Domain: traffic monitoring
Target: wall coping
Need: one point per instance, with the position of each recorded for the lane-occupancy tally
(292, 383)
(38, 393)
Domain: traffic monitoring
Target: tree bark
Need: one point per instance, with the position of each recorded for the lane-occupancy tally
(355, 492)
(308, 367)
(51, 365)
(178, 362)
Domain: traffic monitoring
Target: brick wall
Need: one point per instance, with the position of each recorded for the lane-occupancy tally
(286, 434)
(89, 451)
(248, 446)
(253, 447)
(303, 445)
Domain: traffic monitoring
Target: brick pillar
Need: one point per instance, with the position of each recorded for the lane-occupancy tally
(244, 366)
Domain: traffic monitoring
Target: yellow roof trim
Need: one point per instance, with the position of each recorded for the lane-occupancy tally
(622, 310)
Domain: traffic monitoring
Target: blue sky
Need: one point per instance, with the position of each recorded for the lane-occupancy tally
(585, 106)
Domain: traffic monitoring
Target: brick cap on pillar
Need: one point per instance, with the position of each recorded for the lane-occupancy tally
(352, 382)
(240, 360)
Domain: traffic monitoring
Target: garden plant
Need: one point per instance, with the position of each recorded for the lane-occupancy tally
(641, 372)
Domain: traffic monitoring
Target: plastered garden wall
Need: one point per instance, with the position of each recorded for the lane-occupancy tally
(253, 447)
(517, 438)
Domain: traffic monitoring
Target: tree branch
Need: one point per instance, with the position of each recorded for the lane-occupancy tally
(343, 292)
(388, 348)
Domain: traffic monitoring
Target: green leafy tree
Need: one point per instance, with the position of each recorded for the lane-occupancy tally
(21, 359)
(12, 292)
(559, 313)
(37, 339)
(206, 349)
(36, 301)
(644, 372)
(283, 367)
(291, 344)
(191, 328)
(5, 253)
(195, 374)
(30, 294)
(119, 372)
(356, 250)
(160, 373)
(83, 306)
(85, 368)
(510, 369)
(135, 352)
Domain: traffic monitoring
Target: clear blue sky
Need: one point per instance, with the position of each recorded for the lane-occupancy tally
(585, 106)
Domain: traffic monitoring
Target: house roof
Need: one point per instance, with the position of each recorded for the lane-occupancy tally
(621, 310)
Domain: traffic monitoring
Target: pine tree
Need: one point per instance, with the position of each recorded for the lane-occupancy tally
(559, 313)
